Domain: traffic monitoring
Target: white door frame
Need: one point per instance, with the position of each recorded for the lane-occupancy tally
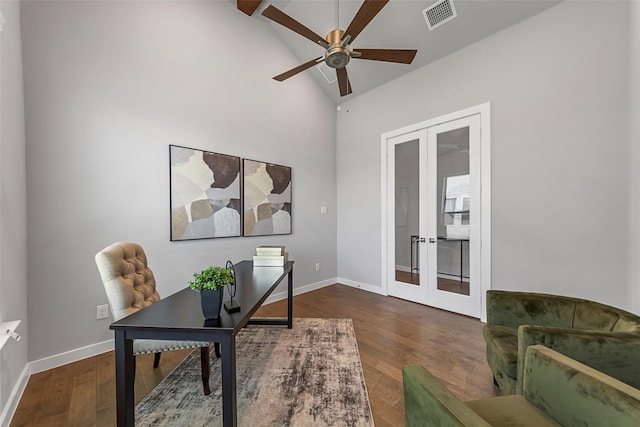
(485, 175)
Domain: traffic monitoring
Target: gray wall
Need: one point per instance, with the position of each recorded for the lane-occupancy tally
(108, 86)
(634, 132)
(558, 87)
(13, 205)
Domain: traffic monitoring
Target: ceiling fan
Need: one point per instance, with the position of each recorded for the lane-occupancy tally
(337, 43)
(248, 6)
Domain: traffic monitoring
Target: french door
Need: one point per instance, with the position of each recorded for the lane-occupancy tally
(434, 215)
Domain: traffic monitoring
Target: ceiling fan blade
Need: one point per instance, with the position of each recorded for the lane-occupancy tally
(365, 14)
(285, 20)
(343, 81)
(248, 6)
(403, 56)
(292, 72)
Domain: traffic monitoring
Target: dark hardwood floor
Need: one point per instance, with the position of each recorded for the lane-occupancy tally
(390, 332)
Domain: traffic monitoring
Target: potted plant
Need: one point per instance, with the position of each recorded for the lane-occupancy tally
(210, 283)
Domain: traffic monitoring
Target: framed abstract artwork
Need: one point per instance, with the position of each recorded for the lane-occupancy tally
(205, 194)
(267, 198)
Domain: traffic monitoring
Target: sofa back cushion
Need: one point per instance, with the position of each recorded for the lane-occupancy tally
(627, 323)
(512, 310)
(593, 316)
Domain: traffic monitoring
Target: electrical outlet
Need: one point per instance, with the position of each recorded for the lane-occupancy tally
(317, 266)
(102, 311)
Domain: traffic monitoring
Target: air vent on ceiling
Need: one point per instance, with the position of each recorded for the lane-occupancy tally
(439, 13)
(328, 73)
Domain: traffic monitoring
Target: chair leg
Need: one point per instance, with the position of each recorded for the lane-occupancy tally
(216, 349)
(204, 361)
(156, 359)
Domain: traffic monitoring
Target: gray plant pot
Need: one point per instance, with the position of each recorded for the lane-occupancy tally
(211, 302)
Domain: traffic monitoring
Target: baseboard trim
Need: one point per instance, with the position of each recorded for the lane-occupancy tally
(453, 277)
(102, 347)
(14, 398)
(301, 290)
(404, 268)
(365, 287)
(70, 356)
(45, 364)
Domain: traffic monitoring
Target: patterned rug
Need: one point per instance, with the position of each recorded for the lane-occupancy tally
(310, 375)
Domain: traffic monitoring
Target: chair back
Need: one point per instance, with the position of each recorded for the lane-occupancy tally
(127, 279)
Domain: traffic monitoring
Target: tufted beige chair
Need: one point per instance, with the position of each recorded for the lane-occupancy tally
(131, 286)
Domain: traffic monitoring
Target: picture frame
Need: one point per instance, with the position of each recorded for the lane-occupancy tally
(266, 198)
(205, 194)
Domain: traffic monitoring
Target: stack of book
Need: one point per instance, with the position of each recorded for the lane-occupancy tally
(270, 256)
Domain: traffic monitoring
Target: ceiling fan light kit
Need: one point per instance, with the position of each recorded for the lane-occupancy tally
(337, 43)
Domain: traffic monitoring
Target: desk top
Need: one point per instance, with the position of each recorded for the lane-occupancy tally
(182, 310)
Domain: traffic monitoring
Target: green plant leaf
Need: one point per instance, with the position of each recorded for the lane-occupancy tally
(211, 278)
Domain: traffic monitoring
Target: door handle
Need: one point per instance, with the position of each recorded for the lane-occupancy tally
(433, 240)
(422, 240)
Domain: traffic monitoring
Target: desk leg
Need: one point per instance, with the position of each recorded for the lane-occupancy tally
(124, 380)
(229, 404)
(290, 300)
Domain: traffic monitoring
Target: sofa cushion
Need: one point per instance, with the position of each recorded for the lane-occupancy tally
(510, 411)
(595, 317)
(627, 324)
(502, 348)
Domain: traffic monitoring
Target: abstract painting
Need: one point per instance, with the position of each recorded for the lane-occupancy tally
(267, 198)
(205, 194)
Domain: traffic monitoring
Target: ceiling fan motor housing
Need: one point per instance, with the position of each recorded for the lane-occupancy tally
(337, 55)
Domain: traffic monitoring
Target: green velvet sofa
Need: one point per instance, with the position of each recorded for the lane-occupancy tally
(557, 391)
(600, 336)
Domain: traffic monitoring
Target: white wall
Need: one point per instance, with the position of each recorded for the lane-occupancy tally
(13, 205)
(108, 86)
(558, 85)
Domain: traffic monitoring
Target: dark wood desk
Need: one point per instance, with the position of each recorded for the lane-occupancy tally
(179, 317)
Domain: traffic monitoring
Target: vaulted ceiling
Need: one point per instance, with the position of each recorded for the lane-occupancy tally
(401, 24)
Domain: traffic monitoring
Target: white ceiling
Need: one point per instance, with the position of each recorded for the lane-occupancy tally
(400, 25)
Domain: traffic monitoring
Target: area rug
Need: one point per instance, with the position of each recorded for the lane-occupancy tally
(310, 375)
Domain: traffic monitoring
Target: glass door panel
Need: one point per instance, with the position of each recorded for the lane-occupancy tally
(452, 219)
(453, 202)
(406, 261)
(407, 212)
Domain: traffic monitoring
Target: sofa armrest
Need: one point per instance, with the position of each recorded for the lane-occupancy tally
(574, 394)
(614, 353)
(427, 402)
